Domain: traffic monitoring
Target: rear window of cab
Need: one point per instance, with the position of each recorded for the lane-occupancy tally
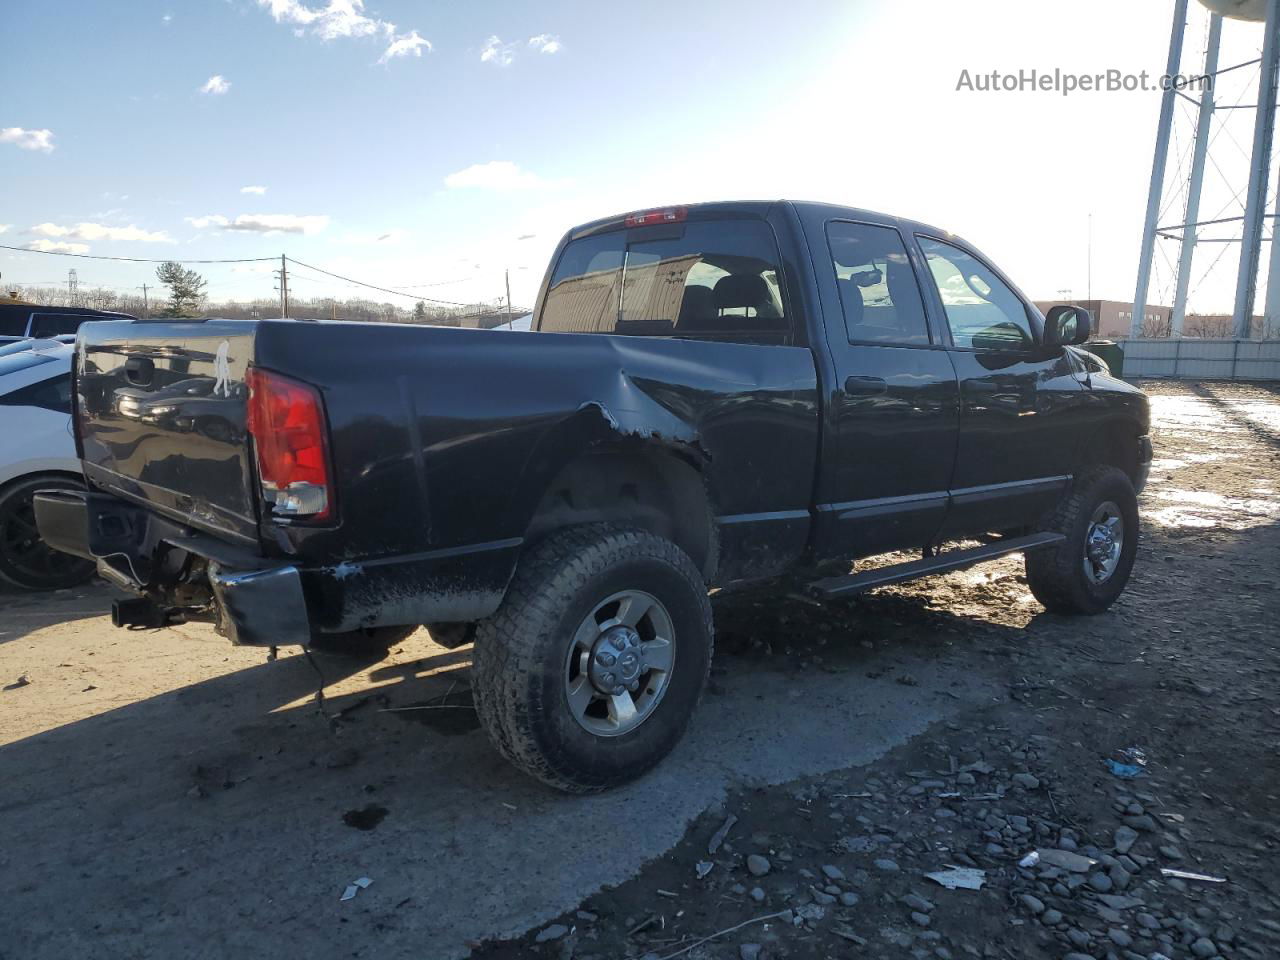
(704, 280)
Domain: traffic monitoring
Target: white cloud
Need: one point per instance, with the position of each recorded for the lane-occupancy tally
(213, 220)
(404, 45)
(494, 175)
(216, 85)
(58, 246)
(258, 190)
(345, 18)
(167, 19)
(266, 223)
(100, 231)
(4, 227)
(28, 139)
(495, 51)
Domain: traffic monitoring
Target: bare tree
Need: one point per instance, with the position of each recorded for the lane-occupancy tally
(1156, 326)
(1207, 325)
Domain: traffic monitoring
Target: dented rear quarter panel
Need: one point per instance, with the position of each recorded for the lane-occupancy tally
(445, 438)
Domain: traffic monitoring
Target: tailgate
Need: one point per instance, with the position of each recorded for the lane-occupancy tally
(161, 418)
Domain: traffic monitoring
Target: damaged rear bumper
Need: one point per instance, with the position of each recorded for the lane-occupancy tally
(177, 574)
(255, 600)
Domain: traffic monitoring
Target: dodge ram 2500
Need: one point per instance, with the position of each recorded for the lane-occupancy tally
(712, 395)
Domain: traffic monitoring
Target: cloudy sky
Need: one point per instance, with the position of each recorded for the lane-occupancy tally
(430, 147)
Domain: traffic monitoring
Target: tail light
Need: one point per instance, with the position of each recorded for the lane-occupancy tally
(286, 420)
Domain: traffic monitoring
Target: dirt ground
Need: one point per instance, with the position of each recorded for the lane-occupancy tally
(166, 794)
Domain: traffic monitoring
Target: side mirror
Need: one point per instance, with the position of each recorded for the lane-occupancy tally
(1067, 325)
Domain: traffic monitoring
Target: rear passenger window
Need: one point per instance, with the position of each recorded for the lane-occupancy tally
(710, 280)
(878, 288)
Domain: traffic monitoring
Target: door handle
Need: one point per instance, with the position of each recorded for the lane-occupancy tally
(139, 371)
(865, 386)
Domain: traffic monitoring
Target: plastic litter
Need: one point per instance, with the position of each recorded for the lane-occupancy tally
(1128, 762)
(1030, 860)
(355, 887)
(959, 878)
(1188, 875)
(703, 867)
(1125, 771)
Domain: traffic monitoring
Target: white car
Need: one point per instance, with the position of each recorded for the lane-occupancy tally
(37, 452)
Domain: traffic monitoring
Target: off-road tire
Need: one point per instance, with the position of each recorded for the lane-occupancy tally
(32, 565)
(518, 662)
(364, 644)
(1056, 575)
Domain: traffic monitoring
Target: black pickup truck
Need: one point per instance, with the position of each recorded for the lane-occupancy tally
(713, 395)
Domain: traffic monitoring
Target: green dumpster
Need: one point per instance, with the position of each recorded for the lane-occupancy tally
(1110, 353)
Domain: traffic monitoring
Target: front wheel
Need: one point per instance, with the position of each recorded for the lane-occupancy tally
(588, 674)
(1087, 572)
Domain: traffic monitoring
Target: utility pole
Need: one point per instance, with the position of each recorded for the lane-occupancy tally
(1088, 289)
(283, 275)
(146, 304)
(508, 276)
(73, 288)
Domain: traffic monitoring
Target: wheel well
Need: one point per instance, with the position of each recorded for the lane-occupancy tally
(643, 486)
(40, 475)
(1117, 446)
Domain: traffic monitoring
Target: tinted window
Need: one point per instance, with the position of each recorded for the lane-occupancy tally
(52, 324)
(52, 394)
(878, 288)
(702, 281)
(982, 311)
(14, 318)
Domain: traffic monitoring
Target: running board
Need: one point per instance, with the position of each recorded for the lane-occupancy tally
(941, 563)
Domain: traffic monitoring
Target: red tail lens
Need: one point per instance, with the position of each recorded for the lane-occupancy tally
(665, 215)
(286, 419)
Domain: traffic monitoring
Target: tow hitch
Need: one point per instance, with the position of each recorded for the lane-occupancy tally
(141, 612)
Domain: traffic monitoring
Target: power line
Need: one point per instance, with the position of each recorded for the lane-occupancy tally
(371, 286)
(336, 276)
(94, 256)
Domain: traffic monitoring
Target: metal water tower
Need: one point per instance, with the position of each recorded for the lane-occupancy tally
(1250, 239)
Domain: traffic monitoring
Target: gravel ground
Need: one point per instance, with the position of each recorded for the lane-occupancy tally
(165, 794)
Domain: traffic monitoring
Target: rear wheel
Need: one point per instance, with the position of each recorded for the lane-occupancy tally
(25, 559)
(1088, 571)
(588, 674)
